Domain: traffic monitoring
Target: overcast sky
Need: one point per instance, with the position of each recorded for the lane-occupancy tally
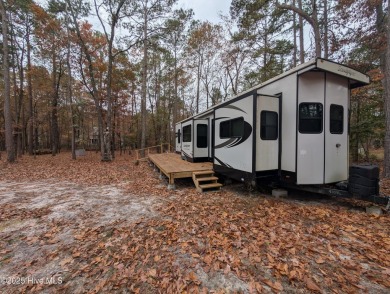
(206, 9)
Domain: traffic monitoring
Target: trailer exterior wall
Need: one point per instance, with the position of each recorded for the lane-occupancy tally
(267, 149)
(234, 153)
(310, 147)
(288, 87)
(336, 143)
(322, 155)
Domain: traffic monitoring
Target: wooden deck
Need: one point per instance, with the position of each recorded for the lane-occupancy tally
(174, 167)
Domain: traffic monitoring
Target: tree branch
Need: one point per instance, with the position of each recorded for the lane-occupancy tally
(302, 13)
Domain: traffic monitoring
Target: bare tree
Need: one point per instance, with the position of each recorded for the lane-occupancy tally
(74, 8)
(311, 19)
(385, 64)
(7, 94)
(114, 10)
(149, 13)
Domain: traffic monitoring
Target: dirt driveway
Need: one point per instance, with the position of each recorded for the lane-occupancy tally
(86, 226)
(41, 220)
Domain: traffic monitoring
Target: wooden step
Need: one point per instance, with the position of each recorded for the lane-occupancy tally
(204, 172)
(207, 179)
(212, 185)
(204, 180)
(203, 187)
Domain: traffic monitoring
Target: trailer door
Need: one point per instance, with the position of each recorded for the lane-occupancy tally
(201, 138)
(267, 137)
(310, 124)
(187, 140)
(178, 138)
(336, 129)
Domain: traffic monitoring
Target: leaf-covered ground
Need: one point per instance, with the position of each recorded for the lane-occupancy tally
(87, 226)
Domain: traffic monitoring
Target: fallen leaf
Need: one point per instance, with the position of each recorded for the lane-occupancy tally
(208, 259)
(278, 286)
(152, 272)
(66, 261)
(270, 258)
(76, 254)
(258, 287)
(311, 285)
(193, 278)
(274, 285)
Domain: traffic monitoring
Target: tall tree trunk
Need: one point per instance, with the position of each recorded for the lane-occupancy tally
(114, 126)
(30, 98)
(326, 45)
(9, 142)
(301, 38)
(198, 83)
(114, 15)
(54, 107)
(295, 37)
(316, 29)
(385, 65)
(70, 99)
(110, 152)
(311, 19)
(15, 95)
(91, 73)
(265, 77)
(144, 80)
(175, 96)
(19, 105)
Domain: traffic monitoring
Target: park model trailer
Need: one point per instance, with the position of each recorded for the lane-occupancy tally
(293, 127)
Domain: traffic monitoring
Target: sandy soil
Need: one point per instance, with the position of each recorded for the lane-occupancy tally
(86, 226)
(58, 211)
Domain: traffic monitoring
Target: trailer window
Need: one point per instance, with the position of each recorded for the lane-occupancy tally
(187, 133)
(233, 128)
(269, 125)
(336, 119)
(178, 136)
(310, 118)
(201, 133)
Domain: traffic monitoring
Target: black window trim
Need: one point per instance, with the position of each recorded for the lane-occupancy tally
(299, 118)
(197, 136)
(184, 141)
(277, 125)
(230, 128)
(330, 119)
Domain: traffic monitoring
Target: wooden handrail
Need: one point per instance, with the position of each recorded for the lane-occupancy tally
(147, 150)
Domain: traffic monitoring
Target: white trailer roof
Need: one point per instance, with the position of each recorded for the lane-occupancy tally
(357, 79)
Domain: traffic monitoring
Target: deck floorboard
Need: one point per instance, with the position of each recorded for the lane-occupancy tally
(174, 167)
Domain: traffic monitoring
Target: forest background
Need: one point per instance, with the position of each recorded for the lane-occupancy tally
(72, 85)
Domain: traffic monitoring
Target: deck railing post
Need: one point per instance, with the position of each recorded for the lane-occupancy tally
(146, 151)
